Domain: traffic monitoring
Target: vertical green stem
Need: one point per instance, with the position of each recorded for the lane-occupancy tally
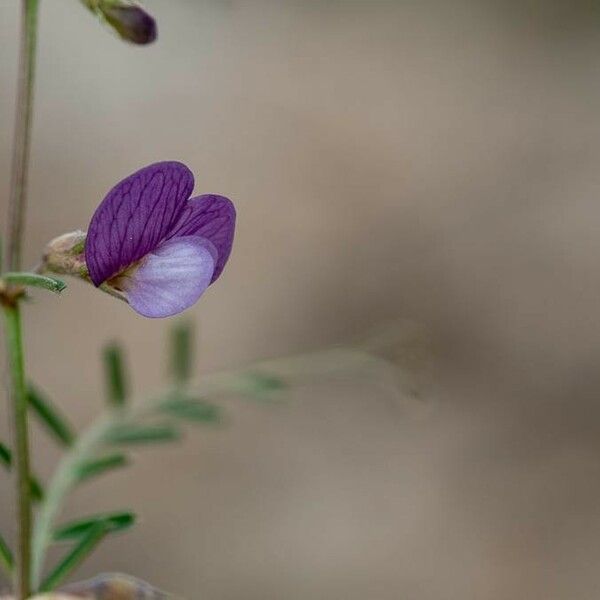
(18, 396)
(21, 143)
(12, 314)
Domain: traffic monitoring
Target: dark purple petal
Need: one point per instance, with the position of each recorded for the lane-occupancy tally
(136, 215)
(211, 217)
(170, 278)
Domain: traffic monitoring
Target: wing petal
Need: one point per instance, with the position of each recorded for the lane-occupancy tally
(211, 217)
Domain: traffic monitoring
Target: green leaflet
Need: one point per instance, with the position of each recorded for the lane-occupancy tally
(85, 546)
(113, 522)
(114, 373)
(35, 280)
(6, 557)
(260, 382)
(5, 455)
(181, 352)
(37, 491)
(141, 434)
(50, 416)
(191, 409)
(99, 466)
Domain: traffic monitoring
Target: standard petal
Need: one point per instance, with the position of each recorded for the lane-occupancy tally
(211, 217)
(135, 217)
(169, 279)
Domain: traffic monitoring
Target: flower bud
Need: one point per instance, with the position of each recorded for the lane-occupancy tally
(127, 18)
(64, 255)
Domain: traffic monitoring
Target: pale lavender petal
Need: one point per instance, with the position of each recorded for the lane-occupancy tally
(211, 217)
(135, 217)
(170, 278)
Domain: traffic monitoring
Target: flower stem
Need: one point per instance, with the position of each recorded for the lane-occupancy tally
(18, 396)
(22, 135)
(10, 299)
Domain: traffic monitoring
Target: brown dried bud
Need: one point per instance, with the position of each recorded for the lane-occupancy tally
(65, 255)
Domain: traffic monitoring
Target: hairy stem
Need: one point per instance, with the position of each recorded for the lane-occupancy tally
(18, 396)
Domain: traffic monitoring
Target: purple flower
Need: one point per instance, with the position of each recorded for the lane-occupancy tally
(151, 243)
(130, 21)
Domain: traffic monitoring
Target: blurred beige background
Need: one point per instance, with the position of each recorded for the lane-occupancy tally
(437, 161)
